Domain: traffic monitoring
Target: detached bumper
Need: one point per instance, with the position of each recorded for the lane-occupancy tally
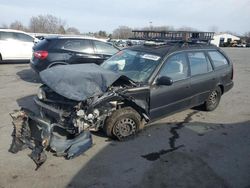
(37, 134)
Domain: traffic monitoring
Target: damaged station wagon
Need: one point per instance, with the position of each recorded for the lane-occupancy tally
(135, 86)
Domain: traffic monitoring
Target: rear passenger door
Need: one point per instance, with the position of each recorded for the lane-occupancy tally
(79, 51)
(203, 78)
(103, 50)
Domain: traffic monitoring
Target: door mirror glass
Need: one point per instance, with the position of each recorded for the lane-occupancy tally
(164, 80)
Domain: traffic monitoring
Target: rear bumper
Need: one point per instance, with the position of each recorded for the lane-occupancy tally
(38, 66)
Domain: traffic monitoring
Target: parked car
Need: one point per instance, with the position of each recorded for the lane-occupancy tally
(15, 45)
(62, 50)
(135, 86)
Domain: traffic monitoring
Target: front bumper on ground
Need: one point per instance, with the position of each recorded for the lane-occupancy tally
(37, 134)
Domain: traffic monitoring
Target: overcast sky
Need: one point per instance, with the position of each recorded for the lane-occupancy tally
(95, 15)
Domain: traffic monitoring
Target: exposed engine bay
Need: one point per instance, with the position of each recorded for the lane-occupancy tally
(64, 120)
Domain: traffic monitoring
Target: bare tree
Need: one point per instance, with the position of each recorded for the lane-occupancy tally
(18, 26)
(72, 31)
(122, 32)
(102, 34)
(247, 37)
(46, 24)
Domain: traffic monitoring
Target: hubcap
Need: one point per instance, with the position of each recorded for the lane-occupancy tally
(213, 97)
(125, 127)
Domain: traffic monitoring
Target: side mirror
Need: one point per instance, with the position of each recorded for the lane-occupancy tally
(164, 80)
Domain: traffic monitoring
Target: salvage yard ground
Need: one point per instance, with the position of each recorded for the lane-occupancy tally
(213, 148)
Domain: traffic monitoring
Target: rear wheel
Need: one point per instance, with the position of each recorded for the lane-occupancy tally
(123, 123)
(213, 100)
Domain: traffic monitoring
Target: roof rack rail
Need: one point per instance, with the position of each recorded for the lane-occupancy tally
(173, 36)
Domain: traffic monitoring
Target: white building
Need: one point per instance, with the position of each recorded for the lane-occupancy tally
(223, 38)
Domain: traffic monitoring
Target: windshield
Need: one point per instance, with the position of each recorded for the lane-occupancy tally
(137, 66)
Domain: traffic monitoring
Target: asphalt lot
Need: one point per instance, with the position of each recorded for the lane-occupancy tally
(213, 148)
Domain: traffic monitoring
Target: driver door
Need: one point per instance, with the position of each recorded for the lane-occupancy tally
(166, 99)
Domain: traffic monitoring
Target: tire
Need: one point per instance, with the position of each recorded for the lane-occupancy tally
(213, 100)
(1, 58)
(123, 123)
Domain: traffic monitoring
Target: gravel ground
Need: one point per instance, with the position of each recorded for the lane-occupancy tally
(213, 148)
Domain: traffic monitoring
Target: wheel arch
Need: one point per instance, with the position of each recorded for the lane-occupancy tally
(221, 88)
(57, 63)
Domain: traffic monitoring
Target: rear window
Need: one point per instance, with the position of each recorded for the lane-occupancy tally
(42, 44)
(218, 59)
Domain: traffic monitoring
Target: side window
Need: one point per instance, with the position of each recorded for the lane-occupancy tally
(6, 36)
(103, 48)
(218, 59)
(24, 38)
(175, 67)
(78, 46)
(199, 63)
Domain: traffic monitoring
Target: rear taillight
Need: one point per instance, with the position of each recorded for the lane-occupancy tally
(41, 54)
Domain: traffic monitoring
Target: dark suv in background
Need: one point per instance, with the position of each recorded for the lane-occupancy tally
(60, 50)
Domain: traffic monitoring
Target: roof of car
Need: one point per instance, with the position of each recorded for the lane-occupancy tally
(13, 30)
(164, 49)
(74, 37)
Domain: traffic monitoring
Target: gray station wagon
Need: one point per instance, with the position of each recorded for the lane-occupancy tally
(135, 86)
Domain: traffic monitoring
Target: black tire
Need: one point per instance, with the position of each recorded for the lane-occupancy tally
(123, 123)
(0, 58)
(213, 100)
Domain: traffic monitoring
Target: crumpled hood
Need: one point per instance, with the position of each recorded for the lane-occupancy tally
(78, 82)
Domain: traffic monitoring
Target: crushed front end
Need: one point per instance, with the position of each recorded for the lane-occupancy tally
(69, 107)
(40, 134)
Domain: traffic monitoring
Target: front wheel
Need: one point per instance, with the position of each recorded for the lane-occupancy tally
(213, 100)
(123, 123)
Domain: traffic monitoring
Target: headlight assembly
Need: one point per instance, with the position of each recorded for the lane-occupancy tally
(41, 94)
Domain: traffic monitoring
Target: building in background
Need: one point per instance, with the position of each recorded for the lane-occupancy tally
(224, 39)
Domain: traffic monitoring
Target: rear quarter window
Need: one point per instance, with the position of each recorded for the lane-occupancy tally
(218, 59)
(199, 63)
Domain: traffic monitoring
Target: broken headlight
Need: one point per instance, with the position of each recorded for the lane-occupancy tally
(41, 94)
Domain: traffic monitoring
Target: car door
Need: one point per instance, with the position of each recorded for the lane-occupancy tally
(103, 50)
(9, 46)
(166, 99)
(78, 51)
(26, 43)
(203, 78)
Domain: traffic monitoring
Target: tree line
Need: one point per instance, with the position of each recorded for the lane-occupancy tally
(43, 24)
(54, 25)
